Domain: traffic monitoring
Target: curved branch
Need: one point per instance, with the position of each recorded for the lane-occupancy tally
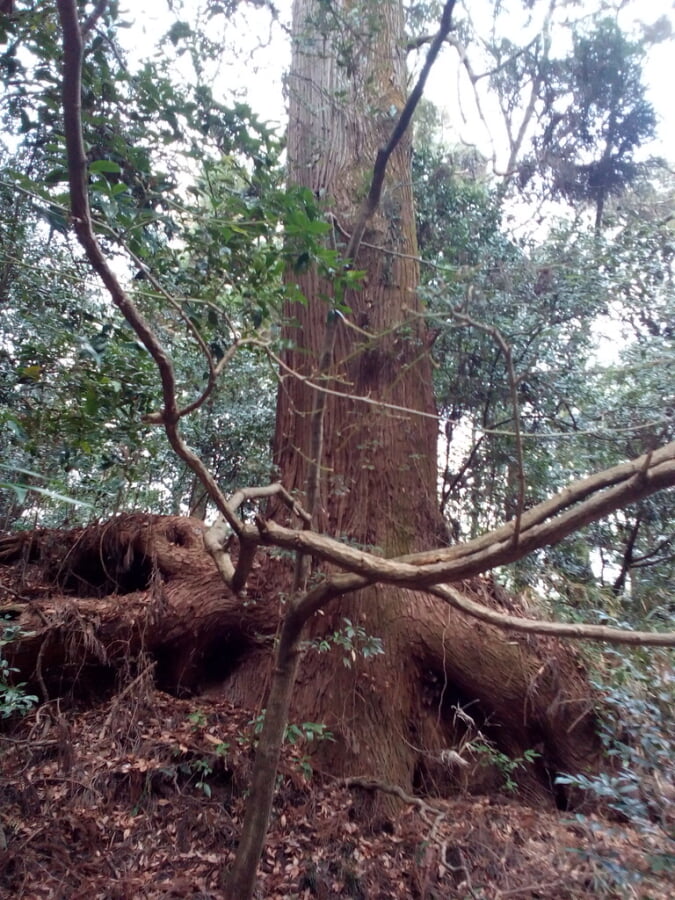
(580, 503)
(576, 631)
(212, 376)
(73, 49)
(339, 585)
(372, 199)
(216, 538)
(93, 18)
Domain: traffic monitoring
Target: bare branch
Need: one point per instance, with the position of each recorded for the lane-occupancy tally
(73, 49)
(339, 585)
(455, 598)
(580, 503)
(419, 41)
(372, 199)
(372, 784)
(215, 541)
(217, 536)
(93, 18)
(624, 476)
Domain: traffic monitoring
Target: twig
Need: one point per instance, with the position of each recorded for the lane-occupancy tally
(498, 337)
(372, 199)
(93, 18)
(122, 694)
(345, 395)
(372, 784)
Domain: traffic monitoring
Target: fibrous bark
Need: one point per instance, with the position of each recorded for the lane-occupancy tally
(378, 466)
(95, 603)
(356, 435)
(92, 602)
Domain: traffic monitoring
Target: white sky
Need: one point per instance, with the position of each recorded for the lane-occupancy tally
(259, 75)
(659, 72)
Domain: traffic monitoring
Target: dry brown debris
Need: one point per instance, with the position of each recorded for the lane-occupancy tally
(142, 797)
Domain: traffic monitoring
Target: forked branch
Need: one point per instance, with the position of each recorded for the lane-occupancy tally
(73, 49)
(217, 537)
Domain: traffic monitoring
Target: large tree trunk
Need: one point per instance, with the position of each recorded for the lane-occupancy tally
(378, 484)
(392, 715)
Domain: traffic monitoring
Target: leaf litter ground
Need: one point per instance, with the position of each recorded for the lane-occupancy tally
(143, 796)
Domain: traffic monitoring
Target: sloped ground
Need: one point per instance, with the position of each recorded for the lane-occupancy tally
(142, 797)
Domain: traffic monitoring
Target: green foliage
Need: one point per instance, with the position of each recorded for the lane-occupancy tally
(637, 731)
(199, 769)
(192, 185)
(75, 383)
(308, 732)
(197, 719)
(636, 728)
(14, 701)
(489, 755)
(189, 191)
(606, 115)
(202, 769)
(78, 383)
(295, 734)
(354, 641)
(579, 408)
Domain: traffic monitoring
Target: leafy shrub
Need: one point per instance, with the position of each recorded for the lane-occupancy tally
(638, 734)
(13, 698)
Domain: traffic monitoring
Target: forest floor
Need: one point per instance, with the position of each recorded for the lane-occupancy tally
(142, 797)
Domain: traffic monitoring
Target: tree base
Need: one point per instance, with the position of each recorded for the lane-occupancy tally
(451, 706)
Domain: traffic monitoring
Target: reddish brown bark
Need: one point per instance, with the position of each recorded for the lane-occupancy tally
(97, 602)
(94, 601)
(378, 484)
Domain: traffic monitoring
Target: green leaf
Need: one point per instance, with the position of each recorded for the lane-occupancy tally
(91, 404)
(56, 175)
(179, 31)
(62, 498)
(104, 165)
(15, 427)
(19, 491)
